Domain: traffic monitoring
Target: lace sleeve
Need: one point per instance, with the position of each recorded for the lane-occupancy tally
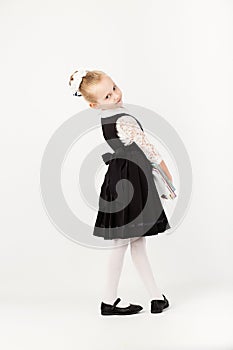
(129, 131)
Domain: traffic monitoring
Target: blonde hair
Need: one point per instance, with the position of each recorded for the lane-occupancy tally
(90, 79)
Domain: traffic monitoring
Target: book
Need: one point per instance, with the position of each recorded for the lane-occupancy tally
(164, 186)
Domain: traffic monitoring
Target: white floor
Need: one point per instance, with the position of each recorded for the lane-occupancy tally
(197, 319)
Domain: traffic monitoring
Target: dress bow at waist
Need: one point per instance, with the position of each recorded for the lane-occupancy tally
(109, 156)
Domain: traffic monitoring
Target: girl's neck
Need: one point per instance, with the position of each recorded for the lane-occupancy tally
(111, 111)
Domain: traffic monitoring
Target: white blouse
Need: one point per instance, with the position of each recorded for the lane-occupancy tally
(129, 131)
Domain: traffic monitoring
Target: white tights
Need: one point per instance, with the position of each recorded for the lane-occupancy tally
(141, 262)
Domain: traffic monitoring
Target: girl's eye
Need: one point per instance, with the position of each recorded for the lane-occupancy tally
(113, 89)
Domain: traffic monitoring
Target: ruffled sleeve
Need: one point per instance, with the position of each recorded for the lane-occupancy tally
(129, 131)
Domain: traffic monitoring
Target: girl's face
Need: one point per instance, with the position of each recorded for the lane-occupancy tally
(107, 94)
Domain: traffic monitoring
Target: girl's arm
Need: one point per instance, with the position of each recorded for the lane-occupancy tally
(130, 131)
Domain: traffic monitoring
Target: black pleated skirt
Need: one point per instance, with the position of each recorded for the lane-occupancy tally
(129, 203)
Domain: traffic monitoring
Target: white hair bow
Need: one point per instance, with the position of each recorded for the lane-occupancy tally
(77, 78)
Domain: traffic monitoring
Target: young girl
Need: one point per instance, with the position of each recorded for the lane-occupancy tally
(124, 218)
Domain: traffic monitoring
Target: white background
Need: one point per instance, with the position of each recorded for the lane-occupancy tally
(173, 57)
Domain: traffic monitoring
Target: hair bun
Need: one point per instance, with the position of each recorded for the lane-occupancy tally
(75, 81)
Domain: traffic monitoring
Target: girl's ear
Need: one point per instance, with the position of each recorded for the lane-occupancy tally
(93, 105)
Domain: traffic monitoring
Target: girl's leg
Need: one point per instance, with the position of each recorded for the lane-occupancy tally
(141, 262)
(114, 268)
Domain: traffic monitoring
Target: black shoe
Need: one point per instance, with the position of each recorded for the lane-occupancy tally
(108, 309)
(158, 305)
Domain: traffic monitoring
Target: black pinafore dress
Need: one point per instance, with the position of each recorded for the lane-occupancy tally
(129, 203)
